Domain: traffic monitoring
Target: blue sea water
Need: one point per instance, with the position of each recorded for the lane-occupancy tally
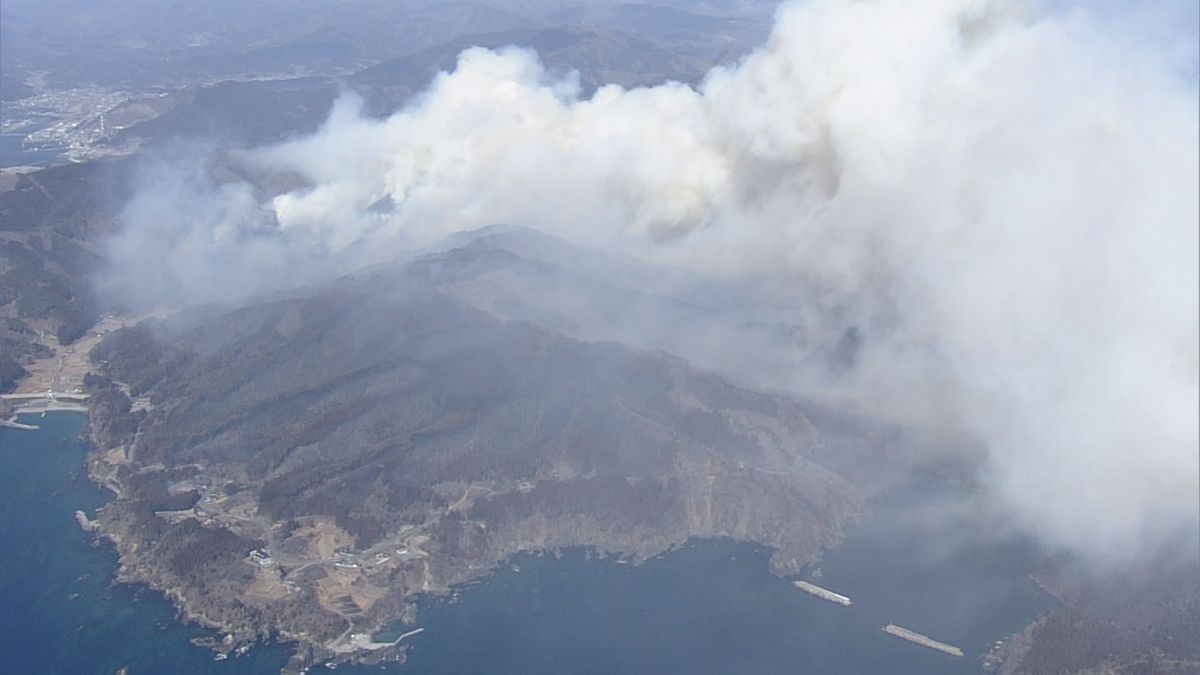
(713, 607)
(60, 611)
(709, 607)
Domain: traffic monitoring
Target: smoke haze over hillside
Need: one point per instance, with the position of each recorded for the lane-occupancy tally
(1002, 196)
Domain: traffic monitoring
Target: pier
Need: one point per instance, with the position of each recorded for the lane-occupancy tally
(357, 641)
(823, 593)
(14, 424)
(44, 402)
(923, 640)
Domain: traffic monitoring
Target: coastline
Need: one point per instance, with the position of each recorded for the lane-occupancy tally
(436, 639)
(300, 609)
(431, 574)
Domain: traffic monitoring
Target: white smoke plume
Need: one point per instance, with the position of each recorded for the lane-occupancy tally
(1007, 191)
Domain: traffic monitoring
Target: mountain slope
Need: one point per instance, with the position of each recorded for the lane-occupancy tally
(379, 414)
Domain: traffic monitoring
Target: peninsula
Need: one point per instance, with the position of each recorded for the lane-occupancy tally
(307, 466)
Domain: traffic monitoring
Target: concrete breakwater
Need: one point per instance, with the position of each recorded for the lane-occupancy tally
(12, 423)
(823, 593)
(27, 404)
(923, 640)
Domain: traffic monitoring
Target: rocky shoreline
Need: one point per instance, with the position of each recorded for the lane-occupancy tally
(710, 499)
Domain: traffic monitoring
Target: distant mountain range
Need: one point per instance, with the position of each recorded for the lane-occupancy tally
(218, 73)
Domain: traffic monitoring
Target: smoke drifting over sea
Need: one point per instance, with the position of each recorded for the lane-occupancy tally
(1004, 195)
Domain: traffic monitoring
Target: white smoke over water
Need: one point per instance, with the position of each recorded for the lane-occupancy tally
(1008, 192)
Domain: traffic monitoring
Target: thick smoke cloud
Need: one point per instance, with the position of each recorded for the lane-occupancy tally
(1006, 196)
